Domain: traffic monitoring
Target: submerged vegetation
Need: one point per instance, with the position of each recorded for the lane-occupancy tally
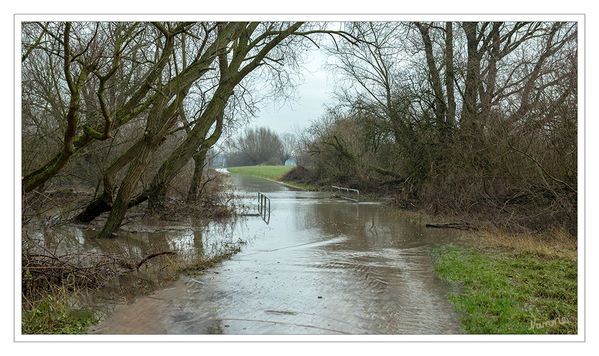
(59, 290)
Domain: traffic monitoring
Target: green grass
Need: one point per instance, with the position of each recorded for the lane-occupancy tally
(272, 173)
(53, 315)
(499, 292)
(267, 172)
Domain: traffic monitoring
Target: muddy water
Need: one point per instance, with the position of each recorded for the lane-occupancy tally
(321, 266)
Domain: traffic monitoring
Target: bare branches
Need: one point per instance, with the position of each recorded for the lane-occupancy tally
(36, 43)
(543, 171)
(181, 86)
(515, 135)
(67, 57)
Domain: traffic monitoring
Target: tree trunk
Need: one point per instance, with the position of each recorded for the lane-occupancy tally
(196, 138)
(178, 86)
(160, 120)
(40, 176)
(449, 73)
(198, 169)
(489, 91)
(435, 78)
(96, 207)
(472, 78)
(123, 197)
(103, 203)
(231, 75)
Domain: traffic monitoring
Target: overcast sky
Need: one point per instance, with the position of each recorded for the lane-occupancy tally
(308, 101)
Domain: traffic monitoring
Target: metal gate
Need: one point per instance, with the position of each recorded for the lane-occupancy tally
(350, 194)
(264, 207)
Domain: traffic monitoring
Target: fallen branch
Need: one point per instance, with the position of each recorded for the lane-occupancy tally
(452, 225)
(152, 256)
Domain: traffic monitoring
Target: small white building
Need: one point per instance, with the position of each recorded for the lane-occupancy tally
(291, 162)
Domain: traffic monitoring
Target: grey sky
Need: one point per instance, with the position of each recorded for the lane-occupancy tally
(307, 103)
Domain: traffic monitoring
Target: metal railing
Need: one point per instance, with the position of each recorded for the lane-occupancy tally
(264, 207)
(348, 190)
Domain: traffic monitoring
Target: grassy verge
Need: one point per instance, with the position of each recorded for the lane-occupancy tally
(271, 172)
(268, 172)
(512, 285)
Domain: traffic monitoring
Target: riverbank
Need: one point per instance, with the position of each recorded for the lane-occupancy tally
(508, 281)
(505, 282)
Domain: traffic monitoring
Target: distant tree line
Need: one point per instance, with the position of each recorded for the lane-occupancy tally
(255, 147)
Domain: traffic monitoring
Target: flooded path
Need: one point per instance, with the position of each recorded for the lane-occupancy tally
(321, 266)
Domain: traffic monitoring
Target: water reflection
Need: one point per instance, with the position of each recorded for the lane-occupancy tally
(321, 266)
(190, 240)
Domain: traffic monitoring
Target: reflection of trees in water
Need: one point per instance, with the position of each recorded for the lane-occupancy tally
(187, 242)
(221, 237)
(198, 242)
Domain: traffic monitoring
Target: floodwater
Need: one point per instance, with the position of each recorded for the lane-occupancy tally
(320, 266)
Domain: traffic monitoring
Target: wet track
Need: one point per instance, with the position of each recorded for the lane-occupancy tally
(321, 266)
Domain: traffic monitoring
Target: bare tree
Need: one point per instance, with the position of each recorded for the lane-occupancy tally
(74, 57)
(464, 114)
(257, 146)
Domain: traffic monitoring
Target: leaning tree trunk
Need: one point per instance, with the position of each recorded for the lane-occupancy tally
(120, 206)
(160, 120)
(195, 139)
(198, 169)
(231, 74)
(103, 203)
